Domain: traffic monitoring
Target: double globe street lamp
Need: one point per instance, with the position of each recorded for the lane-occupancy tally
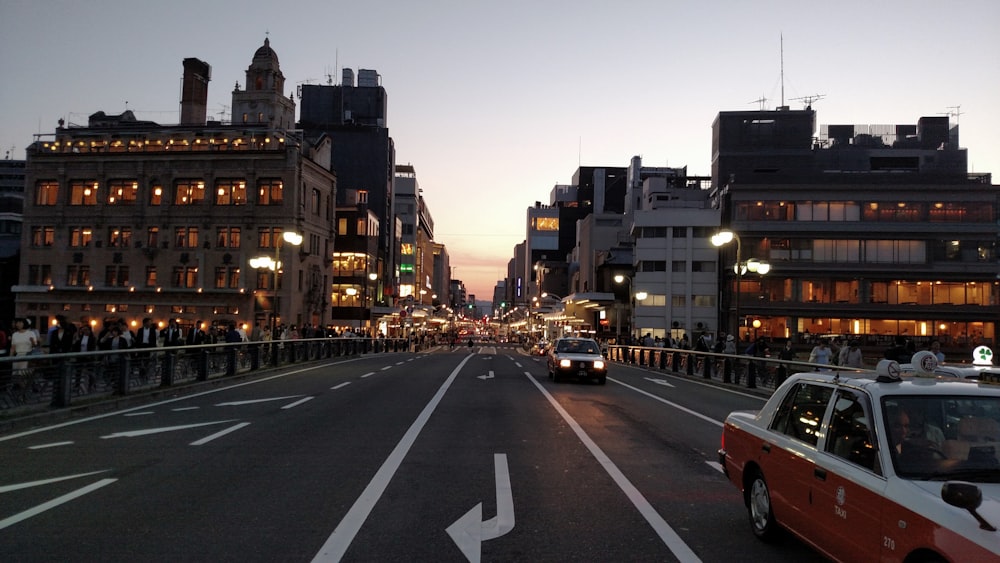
(274, 264)
(751, 265)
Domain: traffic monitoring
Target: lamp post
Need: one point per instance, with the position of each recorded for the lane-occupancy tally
(633, 298)
(266, 262)
(752, 265)
(370, 301)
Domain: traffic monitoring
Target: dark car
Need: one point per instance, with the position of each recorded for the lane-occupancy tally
(577, 357)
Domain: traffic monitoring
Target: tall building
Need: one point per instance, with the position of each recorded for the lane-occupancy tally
(874, 230)
(130, 219)
(352, 115)
(12, 174)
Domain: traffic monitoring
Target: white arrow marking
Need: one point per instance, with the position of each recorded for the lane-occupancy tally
(252, 401)
(470, 531)
(658, 381)
(134, 433)
(485, 377)
(19, 486)
(53, 503)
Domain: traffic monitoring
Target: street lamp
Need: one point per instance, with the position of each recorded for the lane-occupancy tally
(638, 296)
(751, 265)
(266, 262)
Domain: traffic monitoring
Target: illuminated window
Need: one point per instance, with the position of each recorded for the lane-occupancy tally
(150, 276)
(342, 226)
(156, 195)
(227, 237)
(83, 192)
(120, 237)
(268, 236)
(80, 237)
(546, 223)
(189, 192)
(40, 274)
(123, 192)
(43, 236)
(185, 277)
(153, 237)
(77, 275)
(46, 193)
(270, 192)
(227, 277)
(230, 192)
(186, 237)
(406, 249)
(116, 276)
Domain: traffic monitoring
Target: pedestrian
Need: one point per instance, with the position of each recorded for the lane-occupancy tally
(851, 356)
(787, 353)
(936, 350)
(22, 342)
(61, 336)
(232, 334)
(146, 336)
(196, 335)
(820, 354)
(897, 351)
(172, 335)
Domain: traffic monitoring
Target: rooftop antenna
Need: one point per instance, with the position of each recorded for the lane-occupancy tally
(808, 100)
(761, 100)
(954, 111)
(782, 70)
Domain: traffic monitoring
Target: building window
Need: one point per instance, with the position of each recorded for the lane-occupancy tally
(80, 237)
(46, 193)
(77, 275)
(43, 236)
(186, 237)
(678, 266)
(227, 237)
(267, 236)
(230, 192)
(680, 232)
(342, 227)
(152, 237)
(363, 196)
(120, 237)
(703, 266)
(227, 277)
(185, 277)
(270, 192)
(123, 192)
(703, 301)
(83, 192)
(678, 300)
(189, 192)
(116, 276)
(156, 195)
(150, 276)
(406, 249)
(264, 279)
(316, 201)
(40, 274)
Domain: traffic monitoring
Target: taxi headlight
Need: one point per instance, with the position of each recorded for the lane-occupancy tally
(565, 363)
(598, 364)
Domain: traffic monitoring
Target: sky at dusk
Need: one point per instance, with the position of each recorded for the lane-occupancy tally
(494, 103)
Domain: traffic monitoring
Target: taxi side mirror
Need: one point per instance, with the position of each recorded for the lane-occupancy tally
(967, 496)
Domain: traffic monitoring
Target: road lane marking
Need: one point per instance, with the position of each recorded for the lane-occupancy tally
(368, 374)
(469, 531)
(53, 503)
(179, 409)
(385, 368)
(219, 434)
(344, 384)
(662, 382)
(336, 545)
(716, 466)
(134, 433)
(52, 445)
(297, 403)
(143, 413)
(671, 403)
(252, 401)
(29, 484)
(667, 534)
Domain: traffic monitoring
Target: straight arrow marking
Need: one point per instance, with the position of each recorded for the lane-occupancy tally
(252, 401)
(53, 503)
(658, 381)
(19, 486)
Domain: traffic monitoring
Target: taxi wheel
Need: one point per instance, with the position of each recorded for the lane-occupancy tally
(759, 508)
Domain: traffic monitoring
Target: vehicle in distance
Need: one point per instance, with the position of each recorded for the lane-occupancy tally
(873, 466)
(577, 357)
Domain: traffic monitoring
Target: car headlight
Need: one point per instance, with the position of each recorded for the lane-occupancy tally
(565, 363)
(598, 364)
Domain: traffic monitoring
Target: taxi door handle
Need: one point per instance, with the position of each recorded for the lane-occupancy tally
(766, 447)
(820, 473)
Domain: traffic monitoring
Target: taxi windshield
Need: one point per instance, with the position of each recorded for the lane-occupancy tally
(577, 347)
(941, 437)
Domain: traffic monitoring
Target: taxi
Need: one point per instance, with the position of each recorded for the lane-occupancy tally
(982, 366)
(873, 465)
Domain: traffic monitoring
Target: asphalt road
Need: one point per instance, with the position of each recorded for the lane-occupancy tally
(438, 456)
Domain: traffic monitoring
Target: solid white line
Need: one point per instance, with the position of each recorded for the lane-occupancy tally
(336, 545)
(52, 445)
(19, 486)
(297, 403)
(144, 413)
(53, 503)
(219, 434)
(667, 534)
(671, 403)
(344, 384)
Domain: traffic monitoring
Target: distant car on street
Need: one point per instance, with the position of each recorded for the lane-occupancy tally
(873, 466)
(577, 357)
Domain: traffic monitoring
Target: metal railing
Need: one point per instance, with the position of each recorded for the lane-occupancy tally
(737, 369)
(36, 382)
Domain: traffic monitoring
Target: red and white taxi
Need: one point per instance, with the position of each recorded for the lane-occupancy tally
(873, 466)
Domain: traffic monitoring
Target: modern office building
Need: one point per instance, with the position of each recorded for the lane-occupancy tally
(874, 230)
(130, 219)
(12, 174)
